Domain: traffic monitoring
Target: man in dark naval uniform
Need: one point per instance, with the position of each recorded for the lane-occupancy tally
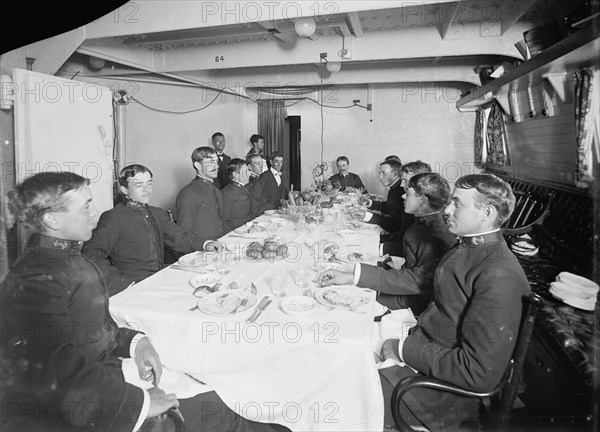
(61, 349)
(425, 242)
(467, 333)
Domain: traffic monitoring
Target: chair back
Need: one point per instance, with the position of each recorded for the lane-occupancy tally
(502, 397)
(529, 210)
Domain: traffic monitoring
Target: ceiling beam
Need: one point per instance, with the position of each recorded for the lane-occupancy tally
(375, 46)
(142, 17)
(354, 23)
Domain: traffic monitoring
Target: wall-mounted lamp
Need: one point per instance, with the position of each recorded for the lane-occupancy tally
(305, 27)
(332, 66)
(96, 63)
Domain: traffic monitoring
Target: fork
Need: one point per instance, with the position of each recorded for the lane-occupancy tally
(241, 305)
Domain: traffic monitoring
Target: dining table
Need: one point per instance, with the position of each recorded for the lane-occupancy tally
(306, 360)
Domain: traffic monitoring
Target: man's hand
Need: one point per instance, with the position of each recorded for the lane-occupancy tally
(335, 277)
(147, 359)
(358, 214)
(389, 350)
(160, 402)
(364, 200)
(213, 246)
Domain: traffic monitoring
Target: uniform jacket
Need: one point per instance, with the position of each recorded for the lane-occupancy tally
(239, 206)
(222, 178)
(468, 331)
(198, 209)
(61, 369)
(392, 218)
(128, 243)
(351, 180)
(425, 242)
(271, 193)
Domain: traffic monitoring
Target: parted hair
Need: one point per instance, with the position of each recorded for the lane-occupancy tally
(130, 171)
(342, 158)
(39, 194)
(416, 167)
(234, 165)
(492, 191)
(201, 153)
(274, 155)
(216, 134)
(254, 138)
(394, 164)
(434, 187)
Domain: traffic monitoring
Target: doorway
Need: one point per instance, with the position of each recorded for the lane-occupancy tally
(292, 153)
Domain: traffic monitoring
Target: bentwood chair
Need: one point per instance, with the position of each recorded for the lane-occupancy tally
(501, 398)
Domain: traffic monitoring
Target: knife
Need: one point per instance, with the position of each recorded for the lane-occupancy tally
(261, 306)
(261, 310)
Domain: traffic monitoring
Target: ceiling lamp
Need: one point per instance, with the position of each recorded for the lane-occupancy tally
(334, 66)
(305, 27)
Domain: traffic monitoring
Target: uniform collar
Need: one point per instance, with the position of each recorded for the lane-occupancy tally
(483, 238)
(397, 182)
(204, 179)
(132, 203)
(49, 242)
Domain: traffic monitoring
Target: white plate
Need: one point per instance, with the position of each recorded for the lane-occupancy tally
(341, 297)
(279, 220)
(270, 212)
(347, 232)
(201, 279)
(224, 302)
(250, 228)
(198, 259)
(355, 255)
(298, 305)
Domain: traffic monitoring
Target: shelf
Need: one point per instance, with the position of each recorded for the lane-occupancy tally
(577, 50)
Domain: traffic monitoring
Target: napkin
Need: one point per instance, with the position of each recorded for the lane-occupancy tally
(394, 325)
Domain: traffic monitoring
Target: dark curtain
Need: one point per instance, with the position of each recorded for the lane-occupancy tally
(584, 125)
(479, 127)
(271, 121)
(496, 155)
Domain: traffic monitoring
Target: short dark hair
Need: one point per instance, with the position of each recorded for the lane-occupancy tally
(254, 138)
(493, 191)
(393, 157)
(234, 166)
(416, 167)
(394, 165)
(216, 134)
(39, 194)
(432, 186)
(130, 171)
(342, 158)
(274, 155)
(252, 156)
(201, 153)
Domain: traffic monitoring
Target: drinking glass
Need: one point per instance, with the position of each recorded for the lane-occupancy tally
(277, 283)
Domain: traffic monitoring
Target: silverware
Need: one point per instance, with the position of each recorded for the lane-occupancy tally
(195, 379)
(259, 311)
(260, 305)
(241, 305)
(194, 308)
(190, 269)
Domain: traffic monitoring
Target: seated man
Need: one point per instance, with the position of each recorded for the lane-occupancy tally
(424, 244)
(391, 217)
(345, 178)
(239, 206)
(467, 334)
(395, 247)
(275, 186)
(198, 207)
(72, 378)
(128, 242)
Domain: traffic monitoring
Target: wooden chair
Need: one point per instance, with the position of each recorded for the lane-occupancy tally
(501, 398)
(529, 210)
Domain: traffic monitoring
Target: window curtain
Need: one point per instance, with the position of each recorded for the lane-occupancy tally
(587, 123)
(497, 152)
(271, 121)
(480, 141)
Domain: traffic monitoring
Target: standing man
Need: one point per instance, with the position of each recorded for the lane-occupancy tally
(467, 333)
(61, 349)
(198, 207)
(218, 142)
(239, 206)
(128, 243)
(345, 178)
(275, 186)
(258, 148)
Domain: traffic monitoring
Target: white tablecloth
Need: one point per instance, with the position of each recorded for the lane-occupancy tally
(314, 372)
